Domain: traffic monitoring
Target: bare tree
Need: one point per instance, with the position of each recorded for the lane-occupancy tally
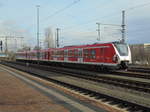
(49, 40)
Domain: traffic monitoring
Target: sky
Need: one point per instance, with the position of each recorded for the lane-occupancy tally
(76, 19)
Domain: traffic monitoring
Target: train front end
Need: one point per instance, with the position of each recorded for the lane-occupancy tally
(123, 55)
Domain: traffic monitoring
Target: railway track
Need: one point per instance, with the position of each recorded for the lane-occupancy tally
(132, 74)
(139, 69)
(120, 73)
(137, 85)
(133, 106)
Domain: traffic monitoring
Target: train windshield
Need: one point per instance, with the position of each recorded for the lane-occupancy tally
(122, 49)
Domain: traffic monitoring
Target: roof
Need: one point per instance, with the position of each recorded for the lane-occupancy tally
(147, 44)
(74, 47)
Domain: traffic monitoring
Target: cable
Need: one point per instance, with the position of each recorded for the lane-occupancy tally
(90, 21)
(131, 8)
(138, 6)
(61, 10)
(58, 11)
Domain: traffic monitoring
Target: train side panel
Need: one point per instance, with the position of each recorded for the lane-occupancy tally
(109, 54)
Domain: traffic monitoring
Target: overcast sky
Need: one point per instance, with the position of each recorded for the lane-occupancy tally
(76, 19)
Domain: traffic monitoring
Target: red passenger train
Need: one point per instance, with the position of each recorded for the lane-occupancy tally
(113, 55)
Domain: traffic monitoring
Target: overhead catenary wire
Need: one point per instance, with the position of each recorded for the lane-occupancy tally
(93, 20)
(61, 10)
(133, 8)
(138, 6)
(58, 11)
(89, 21)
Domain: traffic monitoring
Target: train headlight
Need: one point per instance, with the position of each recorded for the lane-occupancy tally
(115, 58)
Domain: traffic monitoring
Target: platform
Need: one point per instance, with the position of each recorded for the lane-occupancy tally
(19, 93)
(17, 96)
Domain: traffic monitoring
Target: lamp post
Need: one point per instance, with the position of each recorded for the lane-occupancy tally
(98, 30)
(57, 37)
(123, 26)
(38, 53)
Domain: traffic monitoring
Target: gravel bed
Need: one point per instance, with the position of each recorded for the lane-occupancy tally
(112, 92)
(128, 78)
(112, 87)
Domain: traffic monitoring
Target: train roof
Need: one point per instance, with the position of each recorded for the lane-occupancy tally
(88, 45)
(91, 45)
(72, 47)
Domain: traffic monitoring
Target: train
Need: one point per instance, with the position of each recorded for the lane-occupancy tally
(113, 55)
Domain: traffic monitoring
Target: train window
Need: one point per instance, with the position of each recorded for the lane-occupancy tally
(71, 53)
(86, 53)
(55, 54)
(40, 55)
(43, 55)
(93, 53)
(31, 55)
(76, 53)
(46, 54)
(65, 53)
(49, 54)
(61, 53)
(58, 53)
(80, 53)
(122, 49)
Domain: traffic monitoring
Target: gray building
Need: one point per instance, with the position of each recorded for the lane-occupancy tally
(140, 53)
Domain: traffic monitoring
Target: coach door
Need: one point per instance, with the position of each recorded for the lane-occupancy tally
(103, 54)
(65, 55)
(80, 55)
